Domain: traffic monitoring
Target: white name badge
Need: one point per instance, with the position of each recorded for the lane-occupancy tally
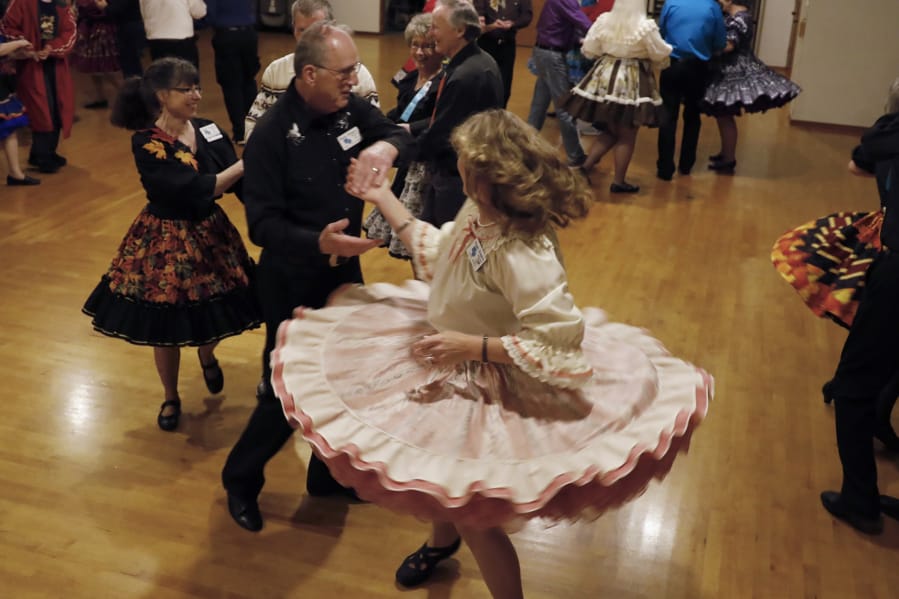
(211, 132)
(350, 138)
(476, 255)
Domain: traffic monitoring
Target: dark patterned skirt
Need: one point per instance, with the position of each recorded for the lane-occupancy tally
(12, 115)
(96, 50)
(617, 91)
(412, 197)
(826, 261)
(745, 83)
(175, 283)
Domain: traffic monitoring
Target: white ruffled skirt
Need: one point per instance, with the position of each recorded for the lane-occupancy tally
(480, 444)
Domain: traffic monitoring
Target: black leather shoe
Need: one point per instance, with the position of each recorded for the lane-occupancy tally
(419, 566)
(213, 376)
(723, 168)
(865, 524)
(170, 422)
(26, 180)
(623, 188)
(664, 176)
(245, 513)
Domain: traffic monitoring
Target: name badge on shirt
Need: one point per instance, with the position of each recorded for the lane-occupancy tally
(476, 255)
(350, 138)
(211, 132)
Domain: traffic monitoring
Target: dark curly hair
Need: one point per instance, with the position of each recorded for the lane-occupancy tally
(136, 106)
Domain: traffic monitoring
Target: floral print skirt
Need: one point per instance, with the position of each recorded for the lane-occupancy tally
(617, 91)
(176, 282)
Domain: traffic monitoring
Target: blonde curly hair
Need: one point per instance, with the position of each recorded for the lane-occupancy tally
(530, 185)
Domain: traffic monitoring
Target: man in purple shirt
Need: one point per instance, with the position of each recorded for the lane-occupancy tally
(560, 28)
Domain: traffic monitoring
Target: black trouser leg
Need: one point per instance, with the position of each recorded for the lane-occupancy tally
(130, 41)
(693, 86)
(236, 65)
(669, 89)
(855, 441)
(186, 49)
(503, 52)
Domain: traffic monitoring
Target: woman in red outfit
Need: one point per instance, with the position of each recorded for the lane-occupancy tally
(44, 84)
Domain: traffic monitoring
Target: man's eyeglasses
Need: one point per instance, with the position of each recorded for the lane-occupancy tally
(342, 74)
(194, 89)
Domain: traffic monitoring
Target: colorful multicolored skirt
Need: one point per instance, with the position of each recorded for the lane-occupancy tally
(480, 444)
(177, 282)
(617, 91)
(96, 50)
(826, 261)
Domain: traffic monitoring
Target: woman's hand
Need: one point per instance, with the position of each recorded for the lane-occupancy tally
(448, 348)
(373, 194)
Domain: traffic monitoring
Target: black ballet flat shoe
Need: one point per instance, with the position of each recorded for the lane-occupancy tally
(723, 168)
(97, 105)
(716, 157)
(213, 376)
(245, 512)
(419, 566)
(889, 506)
(13, 182)
(170, 422)
(827, 392)
(624, 188)
(865, 524)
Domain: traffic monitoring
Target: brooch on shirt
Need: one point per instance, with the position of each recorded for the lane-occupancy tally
(294, 136)
(343, 123)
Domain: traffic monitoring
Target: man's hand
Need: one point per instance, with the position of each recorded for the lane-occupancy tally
(372, 166)
(334, 242)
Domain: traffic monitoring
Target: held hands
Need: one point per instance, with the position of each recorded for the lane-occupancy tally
(332, 241)
(447, 349)
(370, 168)
(372, 194)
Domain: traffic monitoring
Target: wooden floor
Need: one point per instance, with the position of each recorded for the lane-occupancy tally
(96, 501)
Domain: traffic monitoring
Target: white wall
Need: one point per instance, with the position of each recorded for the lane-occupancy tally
(363, 16)
(845, 61)
(775, 25)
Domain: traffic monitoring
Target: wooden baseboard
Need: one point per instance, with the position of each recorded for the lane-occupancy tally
(828, 127)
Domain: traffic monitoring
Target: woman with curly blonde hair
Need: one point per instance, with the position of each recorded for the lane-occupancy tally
(487, 398)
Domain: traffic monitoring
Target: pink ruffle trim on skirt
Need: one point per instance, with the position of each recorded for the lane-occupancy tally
(480, 444)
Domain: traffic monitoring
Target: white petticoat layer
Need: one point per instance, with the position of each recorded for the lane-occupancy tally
(480, 444)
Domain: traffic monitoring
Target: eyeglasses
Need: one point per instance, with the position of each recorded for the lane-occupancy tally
(342, 74)
(194, 89)
(422, 47)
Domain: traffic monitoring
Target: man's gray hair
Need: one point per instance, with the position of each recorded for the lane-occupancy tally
(307, 8)
(462, 14)
(312, 48)
(893, 98)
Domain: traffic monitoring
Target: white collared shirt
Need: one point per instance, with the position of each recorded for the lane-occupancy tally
(171, 19)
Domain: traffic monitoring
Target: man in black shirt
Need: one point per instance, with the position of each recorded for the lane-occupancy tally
(296, 165)
(870, 356)
(470, 83)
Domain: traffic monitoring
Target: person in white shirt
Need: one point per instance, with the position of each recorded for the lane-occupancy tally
(277, 75)
(170, 28)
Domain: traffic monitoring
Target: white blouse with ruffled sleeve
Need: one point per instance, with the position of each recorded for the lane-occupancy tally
(644, 41)
(519, 294)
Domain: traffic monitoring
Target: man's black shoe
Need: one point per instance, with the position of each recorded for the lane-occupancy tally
(866, 524)
(245, 513)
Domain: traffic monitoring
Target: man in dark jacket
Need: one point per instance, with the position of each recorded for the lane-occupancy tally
(470, 83)
(296, 165)
(870, 356)
(500, 21)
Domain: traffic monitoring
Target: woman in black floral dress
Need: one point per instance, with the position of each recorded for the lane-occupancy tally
(740, 82)
(181, 275)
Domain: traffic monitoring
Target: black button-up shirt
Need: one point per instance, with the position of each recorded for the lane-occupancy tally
(878, 153)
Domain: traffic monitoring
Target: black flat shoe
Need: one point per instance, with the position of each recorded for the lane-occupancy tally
(716, 157)
(419, 566)
(827, 392)
(12, 182)
(865, 524)
(213, 376)
(723, 168)
(170, 422)
(245, 512)
(624, 188)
